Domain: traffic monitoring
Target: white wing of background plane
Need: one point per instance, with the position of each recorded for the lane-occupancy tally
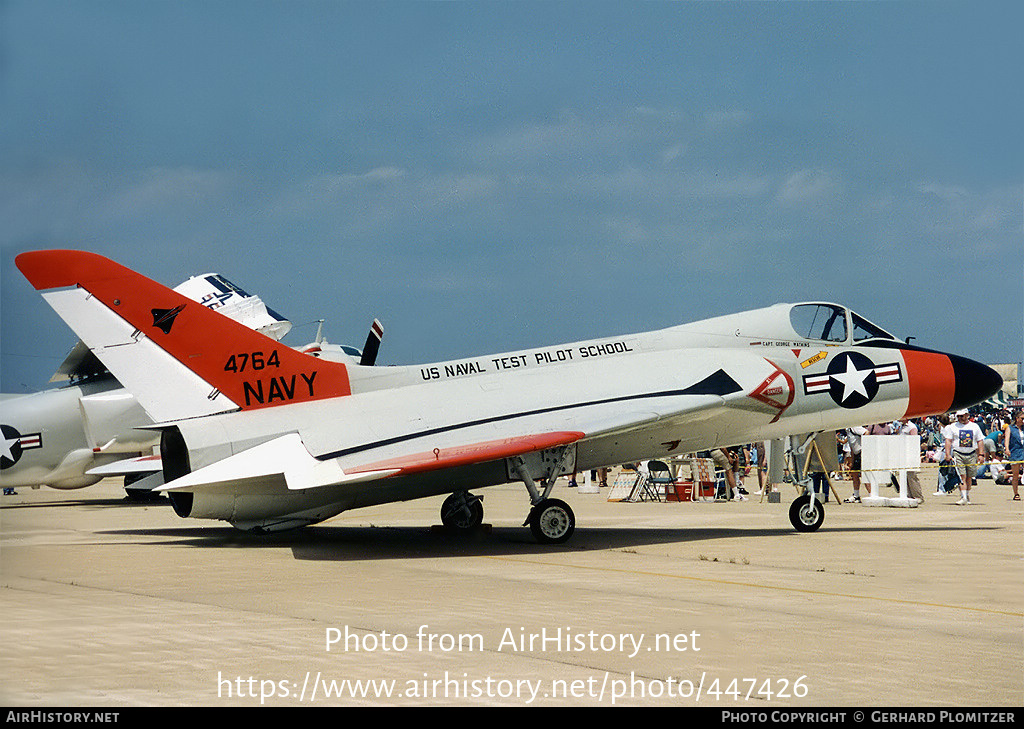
(211, 290)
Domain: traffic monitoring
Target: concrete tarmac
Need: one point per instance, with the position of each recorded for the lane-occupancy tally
(108, 604)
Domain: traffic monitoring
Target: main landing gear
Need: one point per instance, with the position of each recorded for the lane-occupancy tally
(550, 520)
(462, 511)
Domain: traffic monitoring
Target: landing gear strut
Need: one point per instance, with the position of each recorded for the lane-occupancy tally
(807, 512)
(550, 520)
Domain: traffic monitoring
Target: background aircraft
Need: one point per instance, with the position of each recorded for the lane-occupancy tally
(73, 436)
(267, 438)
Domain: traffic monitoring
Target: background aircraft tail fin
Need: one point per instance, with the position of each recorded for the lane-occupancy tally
(372, 346)
(179, 358)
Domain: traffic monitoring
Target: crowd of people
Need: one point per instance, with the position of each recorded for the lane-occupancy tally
(980, 442)
(970, 444)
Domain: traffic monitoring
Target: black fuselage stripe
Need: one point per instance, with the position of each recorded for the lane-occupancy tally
(698, 389)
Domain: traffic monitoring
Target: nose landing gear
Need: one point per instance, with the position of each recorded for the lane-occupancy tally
(806, 513)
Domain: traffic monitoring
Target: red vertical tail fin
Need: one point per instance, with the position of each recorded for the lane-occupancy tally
(179, 358)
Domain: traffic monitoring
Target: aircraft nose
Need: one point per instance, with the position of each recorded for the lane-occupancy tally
(942, 382)
(974, 382)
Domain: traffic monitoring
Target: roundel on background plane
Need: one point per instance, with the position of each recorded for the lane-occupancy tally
(11, 450)
(852, 381)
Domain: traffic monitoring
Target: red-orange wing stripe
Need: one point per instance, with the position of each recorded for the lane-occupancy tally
(465, 455)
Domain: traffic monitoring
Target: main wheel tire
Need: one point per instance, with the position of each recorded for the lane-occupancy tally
(462, 513)
(804, 517)
(552, 521)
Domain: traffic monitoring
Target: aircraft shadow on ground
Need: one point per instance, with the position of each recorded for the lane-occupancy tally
(352, 544)
(330, 542)
(88, 503)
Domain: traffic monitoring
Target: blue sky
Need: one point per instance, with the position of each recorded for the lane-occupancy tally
(493, 175)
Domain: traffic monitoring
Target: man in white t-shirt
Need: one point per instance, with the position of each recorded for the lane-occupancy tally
(964, 448)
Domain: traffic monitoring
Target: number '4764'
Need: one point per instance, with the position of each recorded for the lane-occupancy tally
(252, 360)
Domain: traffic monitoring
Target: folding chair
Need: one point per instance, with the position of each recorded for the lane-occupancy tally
(660, 476)
(703, 470)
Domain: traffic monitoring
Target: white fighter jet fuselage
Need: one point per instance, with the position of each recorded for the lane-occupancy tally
(267, 438)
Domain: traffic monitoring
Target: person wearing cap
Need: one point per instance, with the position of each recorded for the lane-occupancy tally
(964, 448)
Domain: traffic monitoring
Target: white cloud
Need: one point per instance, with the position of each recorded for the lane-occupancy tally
(806, 186)
(70, 202)
(715, 120)
(160, 187)
(959, 209)
(327, 191)
(672, 153)
(453, 189)
(625, 231)
(947, 193)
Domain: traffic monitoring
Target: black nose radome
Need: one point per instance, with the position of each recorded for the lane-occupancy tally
(975, 382)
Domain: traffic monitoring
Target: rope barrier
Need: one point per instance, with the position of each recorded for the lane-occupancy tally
(929, 464)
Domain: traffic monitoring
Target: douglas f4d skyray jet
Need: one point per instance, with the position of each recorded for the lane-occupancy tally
(268, 438)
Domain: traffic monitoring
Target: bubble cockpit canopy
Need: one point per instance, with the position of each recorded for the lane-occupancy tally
(834, 324)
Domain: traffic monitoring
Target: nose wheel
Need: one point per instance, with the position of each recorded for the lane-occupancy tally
(806, 513)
